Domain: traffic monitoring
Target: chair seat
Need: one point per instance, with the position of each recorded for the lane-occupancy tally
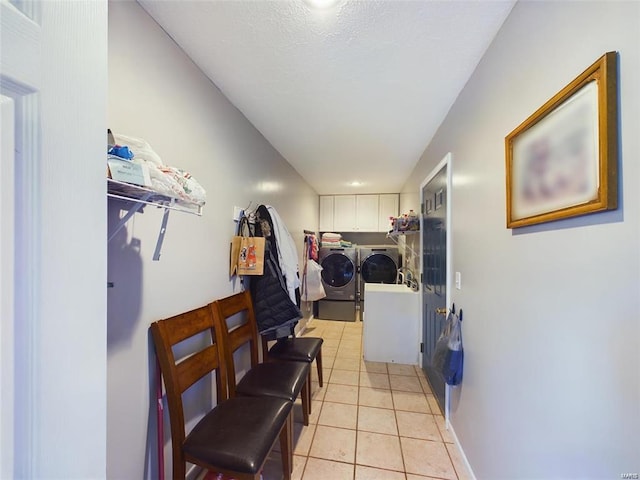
(281, 380)
(238, 433)
(301, 349)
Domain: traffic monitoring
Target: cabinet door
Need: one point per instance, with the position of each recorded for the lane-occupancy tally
(326, 213)
(388, 208)
(344, 213)
(367, 213)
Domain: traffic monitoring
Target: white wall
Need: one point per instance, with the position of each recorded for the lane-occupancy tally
(551, 387)
(157, 93)
(409, 201)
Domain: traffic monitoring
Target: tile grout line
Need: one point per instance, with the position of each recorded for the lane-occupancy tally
(318, 424)
(308, 455)
(424, 394)
(360, 371)
(355, 450)
(355, 447)
(306, 463)
(395, 415)
(452, 462)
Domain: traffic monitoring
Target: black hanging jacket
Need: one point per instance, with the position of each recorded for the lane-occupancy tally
(276, 314)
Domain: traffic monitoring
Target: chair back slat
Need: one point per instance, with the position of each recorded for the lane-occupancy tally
(245, 333)
(241, 335)
(235, 304)
(193, 368)
(186, 325)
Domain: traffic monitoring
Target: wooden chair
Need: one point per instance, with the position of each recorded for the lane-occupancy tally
(236, 435)
(286, 380)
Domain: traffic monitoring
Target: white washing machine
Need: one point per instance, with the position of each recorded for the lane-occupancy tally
(377, 264)
(339, 279)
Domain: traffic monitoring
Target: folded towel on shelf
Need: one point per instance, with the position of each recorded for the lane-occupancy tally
(329, 235)
(331, 240)
(331, 244)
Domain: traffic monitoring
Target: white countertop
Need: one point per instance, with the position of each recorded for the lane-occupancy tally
(388, 288)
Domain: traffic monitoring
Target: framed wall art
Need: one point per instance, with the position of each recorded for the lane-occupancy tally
(562, 161)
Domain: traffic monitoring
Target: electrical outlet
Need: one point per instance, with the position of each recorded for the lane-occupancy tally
(458, 281)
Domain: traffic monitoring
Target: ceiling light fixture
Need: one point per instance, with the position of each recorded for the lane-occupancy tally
(355, 183)
(321, 4)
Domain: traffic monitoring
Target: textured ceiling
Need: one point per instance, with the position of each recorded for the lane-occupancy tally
(352, 92)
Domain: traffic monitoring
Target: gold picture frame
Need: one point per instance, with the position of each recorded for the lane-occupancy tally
(562, 161)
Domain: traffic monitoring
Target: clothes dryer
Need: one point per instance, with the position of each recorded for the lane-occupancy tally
(377, 265)
(339, 272)
(339, 267)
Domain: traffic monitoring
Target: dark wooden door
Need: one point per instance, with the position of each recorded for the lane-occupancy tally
(434, 274)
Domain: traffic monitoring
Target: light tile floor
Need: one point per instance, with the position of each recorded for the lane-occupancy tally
(370, 421)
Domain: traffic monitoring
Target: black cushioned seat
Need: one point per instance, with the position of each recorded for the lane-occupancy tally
(301, 349)
(281, 380)
(298, 349)
(238, 434)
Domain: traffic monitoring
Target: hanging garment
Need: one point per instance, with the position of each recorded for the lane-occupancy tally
(312, 288)
(276, 313)
(315, 248)
(287, 252)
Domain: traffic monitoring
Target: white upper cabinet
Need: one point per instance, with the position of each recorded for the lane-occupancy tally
(388, 208)
(326, 213)
(344, 213)
(357, 213)
(367, 213)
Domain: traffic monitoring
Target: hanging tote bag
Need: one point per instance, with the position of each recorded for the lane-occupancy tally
(448, 356)
(312, 288)
(247, 252)
(251, 256)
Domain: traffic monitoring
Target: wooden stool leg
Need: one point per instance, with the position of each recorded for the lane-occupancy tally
(310, 386)
(265, 349)
(319, 364)
(286, 447)
(305, 394)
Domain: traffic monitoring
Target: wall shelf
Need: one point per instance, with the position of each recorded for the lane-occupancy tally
(397, 234)
(394, 236)
(147, 196)
(141, 196)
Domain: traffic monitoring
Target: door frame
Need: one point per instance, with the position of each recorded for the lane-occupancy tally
(20, 80)
(445, 162)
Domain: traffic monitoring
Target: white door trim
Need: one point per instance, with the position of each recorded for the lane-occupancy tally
(7, 224)
(445, 162)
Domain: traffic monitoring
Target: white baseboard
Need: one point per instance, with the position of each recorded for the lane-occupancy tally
(459, 447)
